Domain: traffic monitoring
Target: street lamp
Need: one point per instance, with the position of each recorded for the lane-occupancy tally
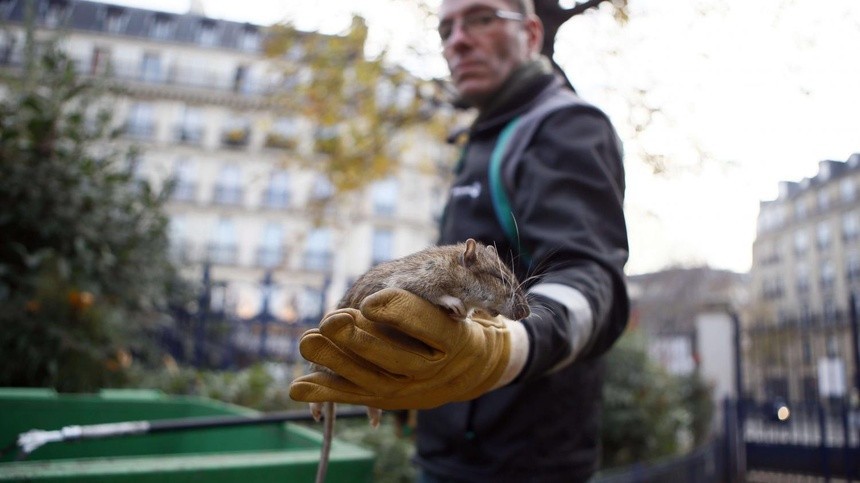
(267, 286)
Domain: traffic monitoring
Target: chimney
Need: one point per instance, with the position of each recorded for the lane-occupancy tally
(787, 189)
(196, 8)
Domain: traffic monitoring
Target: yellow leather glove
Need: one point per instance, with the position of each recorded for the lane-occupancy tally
(402, 352)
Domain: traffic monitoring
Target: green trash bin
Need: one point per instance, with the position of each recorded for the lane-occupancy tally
(282, 453)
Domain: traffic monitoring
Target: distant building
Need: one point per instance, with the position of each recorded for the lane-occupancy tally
(806, 267)
(196, 102)
(665, 305)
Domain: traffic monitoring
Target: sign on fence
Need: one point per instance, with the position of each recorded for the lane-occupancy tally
(831, 377)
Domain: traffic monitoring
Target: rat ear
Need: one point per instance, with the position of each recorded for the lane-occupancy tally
(492, 250)
(470, 255)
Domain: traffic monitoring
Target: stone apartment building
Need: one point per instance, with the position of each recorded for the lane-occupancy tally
(806, 268)
(197, 105)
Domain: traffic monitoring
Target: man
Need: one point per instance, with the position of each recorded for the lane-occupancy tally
(502, 400)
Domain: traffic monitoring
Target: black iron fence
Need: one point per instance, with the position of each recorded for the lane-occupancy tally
(207, 334)
(799, 383)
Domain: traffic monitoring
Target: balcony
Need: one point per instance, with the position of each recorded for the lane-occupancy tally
(179, 75)
(236, 138)
(190, 135)
(140, 130)
(280, 141)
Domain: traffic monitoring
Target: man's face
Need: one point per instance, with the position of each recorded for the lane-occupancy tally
(482, 55)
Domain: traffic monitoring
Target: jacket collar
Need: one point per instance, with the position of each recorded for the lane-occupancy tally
(520, 92)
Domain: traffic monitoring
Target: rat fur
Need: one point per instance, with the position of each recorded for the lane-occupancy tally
(460, 278)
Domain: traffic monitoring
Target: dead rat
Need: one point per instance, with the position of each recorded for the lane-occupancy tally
(460, 278)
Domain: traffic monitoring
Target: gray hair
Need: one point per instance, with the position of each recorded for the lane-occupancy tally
(526, 7)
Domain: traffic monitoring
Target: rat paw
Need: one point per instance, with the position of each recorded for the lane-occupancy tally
(454, 305)
(374, 415)
(316, 410)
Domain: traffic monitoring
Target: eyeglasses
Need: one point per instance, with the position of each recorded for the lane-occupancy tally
(476, 23)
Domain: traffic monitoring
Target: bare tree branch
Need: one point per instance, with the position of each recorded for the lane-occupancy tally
(553, 16)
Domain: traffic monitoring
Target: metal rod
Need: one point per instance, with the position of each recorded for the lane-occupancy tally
(31, 440)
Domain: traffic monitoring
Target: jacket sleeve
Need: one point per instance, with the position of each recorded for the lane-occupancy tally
(568, 203)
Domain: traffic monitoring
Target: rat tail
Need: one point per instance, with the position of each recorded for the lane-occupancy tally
(328, 434)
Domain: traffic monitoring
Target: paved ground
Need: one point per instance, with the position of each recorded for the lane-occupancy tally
(770, 477)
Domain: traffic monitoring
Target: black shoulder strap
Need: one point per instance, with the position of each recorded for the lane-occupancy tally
(510, 145)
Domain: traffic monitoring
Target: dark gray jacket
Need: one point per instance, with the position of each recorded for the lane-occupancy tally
(566, 193)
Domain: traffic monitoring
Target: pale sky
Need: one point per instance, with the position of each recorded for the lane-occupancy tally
(749, 93)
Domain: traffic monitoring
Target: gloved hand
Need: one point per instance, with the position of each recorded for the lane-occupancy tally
(402, 352)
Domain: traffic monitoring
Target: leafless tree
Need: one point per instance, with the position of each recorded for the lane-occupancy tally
(554, 13)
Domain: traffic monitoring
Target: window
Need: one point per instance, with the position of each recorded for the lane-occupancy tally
(190, 129)
(242, 80)
(277, 194)
(772, 289)
(384, 195)
(383, 246)
(249, 40)
(284, 134)
(318, 254)
(8, 53)
(180, 246)
(801, 242)
(150, 68)
(852, 269)
(162, 27)
(207, 35)
(228, 188)
(823, 236)
(270, 253)
(223, 249)
(830, 311)
(802, 278)
(847, 190)
(322, 189)
(800, 211)
(56, 14)
(326, 140)
(771, 216)
(99, 60)
(850, 226)
(237, 132)
(185, 184)
(823, 200)
(115, 19)
(141, 121)
(769, 253)
(828, 275)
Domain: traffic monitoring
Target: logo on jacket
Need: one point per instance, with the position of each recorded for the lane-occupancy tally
(473, 190)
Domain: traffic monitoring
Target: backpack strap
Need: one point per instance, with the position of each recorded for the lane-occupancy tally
(501, 202)
(512, 141)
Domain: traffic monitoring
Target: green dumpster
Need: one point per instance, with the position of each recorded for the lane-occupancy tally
(279, 453)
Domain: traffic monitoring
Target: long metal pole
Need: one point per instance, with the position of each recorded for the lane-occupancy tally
(29, 441)
(740, 437)
(855, 341)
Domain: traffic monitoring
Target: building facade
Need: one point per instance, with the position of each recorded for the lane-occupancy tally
(197, 102)
(805, 272)
(666, 304)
